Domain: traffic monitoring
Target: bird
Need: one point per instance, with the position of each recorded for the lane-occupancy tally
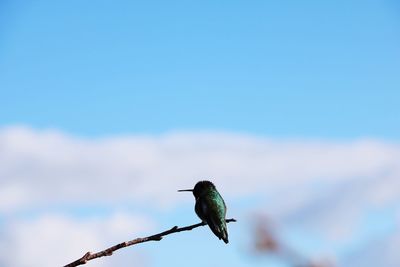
(210, 208)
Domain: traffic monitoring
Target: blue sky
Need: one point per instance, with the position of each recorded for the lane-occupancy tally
(270, 98)
(307, 69)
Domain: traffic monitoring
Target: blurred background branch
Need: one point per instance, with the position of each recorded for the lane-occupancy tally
(266, 241)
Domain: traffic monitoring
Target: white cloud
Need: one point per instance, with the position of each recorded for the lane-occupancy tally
(55, 240)
(329, 187)
(38, 166)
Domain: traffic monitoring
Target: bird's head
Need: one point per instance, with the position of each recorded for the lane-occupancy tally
(200, 188)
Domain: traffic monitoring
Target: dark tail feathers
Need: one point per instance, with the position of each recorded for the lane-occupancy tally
(219, 230)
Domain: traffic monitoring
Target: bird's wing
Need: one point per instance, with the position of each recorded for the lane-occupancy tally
(216, 224)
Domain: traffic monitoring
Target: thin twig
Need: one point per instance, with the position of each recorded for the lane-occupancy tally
(157, 237)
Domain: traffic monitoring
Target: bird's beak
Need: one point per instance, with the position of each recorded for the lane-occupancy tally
(186, 190)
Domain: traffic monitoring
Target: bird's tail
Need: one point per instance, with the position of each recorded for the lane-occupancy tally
(218, 227)
(224, 235)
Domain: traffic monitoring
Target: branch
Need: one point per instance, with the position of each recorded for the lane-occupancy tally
(157, 237)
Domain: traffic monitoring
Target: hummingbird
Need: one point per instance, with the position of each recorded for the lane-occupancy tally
(210, 207)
